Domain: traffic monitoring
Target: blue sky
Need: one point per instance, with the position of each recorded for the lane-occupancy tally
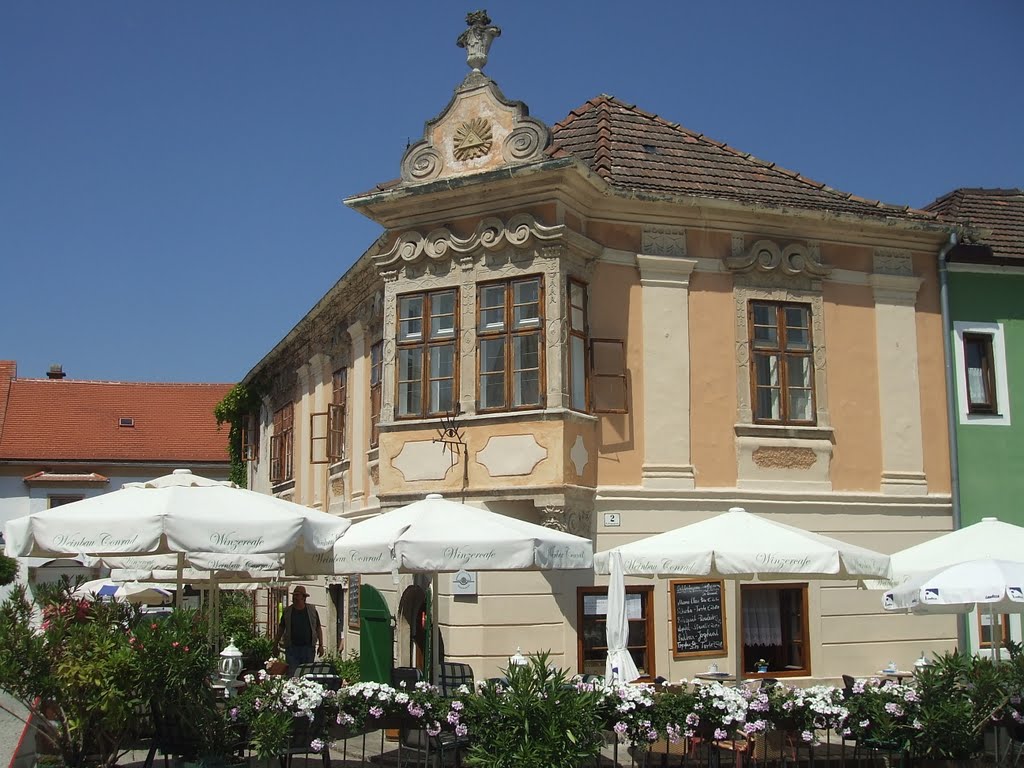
(171, 172)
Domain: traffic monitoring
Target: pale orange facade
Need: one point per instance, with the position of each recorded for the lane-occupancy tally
(671, 413)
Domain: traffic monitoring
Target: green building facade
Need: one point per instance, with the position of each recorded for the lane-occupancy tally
(986, 303)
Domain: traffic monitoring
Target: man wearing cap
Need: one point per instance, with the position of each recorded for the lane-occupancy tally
(300, 623)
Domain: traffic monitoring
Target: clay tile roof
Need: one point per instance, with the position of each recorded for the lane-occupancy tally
(997, 214)
(637, 151)
(70, 420)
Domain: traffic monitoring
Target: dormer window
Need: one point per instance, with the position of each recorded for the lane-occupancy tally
(126, 421)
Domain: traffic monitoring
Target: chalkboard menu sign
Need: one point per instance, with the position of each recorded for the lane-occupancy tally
(353, 603)
(698, 618)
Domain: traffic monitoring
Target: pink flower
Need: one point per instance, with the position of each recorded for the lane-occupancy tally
(721, 733)
(174, 644)
(461, 729)
(316, 745)
(376, 711)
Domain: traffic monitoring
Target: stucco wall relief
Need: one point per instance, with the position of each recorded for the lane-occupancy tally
(579, 456)
(768, 457)
(491, 234)
(506, 455)
(422, 460)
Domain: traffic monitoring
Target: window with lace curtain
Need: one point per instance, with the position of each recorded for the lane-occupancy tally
(782, 363)
(775, 629)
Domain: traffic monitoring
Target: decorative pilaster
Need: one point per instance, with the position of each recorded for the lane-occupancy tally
(895, 292)
(358, 385)
(665, 282)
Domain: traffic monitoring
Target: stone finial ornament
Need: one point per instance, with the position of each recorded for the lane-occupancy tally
(477, 39)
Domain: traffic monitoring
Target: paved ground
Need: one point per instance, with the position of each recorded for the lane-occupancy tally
(10, 728)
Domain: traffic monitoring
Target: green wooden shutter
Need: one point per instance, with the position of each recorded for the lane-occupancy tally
(376, 636)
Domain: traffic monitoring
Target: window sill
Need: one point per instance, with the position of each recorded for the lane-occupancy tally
(535, 414)
(785, 431)
(338, 467)
(283, 487)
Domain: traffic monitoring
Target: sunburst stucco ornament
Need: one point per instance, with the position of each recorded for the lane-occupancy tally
(472, 139)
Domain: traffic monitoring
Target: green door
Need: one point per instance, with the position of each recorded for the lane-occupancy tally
(376, 636)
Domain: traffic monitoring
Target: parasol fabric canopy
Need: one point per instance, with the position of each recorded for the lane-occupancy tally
(132, 592)
(176, 513)
(733, 545)
(957, 588)
(435, 535)
(738, 544)
(989, 539)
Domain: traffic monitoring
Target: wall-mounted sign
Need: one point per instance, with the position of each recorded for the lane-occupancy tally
(463, 583)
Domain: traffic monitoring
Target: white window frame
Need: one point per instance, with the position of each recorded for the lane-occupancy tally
(995, 330)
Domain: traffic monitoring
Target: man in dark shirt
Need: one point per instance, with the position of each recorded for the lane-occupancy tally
(299, 623)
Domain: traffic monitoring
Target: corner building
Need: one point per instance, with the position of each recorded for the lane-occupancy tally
(634, 327)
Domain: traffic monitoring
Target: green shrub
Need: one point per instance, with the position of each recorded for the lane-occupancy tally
(8, 570)
(346, 666)
(537, 719)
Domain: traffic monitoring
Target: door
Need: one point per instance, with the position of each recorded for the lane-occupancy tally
(377, 636)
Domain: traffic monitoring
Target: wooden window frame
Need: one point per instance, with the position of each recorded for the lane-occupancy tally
(595, 375)
(282, 445)
(509, 334)
(63, 498)
(376, 380)
(250, 435)
(804, 642)
(582, 334)
(337, 437)
(648, 596)
(1004, 629)
(784, 357)
(987, 372)
(424, 345)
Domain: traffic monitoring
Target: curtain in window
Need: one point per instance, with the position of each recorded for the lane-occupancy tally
(762, 617)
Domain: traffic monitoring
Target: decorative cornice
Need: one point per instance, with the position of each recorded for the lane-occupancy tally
(765, 256)
(892, 261)
(492, 234)
(664, 241)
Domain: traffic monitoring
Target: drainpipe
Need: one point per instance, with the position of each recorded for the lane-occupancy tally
(951, 409)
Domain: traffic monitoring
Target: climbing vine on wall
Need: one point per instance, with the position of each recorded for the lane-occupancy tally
(240, 401)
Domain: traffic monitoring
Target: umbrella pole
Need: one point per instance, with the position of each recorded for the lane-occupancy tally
(179, 595)
(435, 631)
(737, 628)
(995, 636)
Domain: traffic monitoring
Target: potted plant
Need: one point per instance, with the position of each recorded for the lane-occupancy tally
(762, 665)
(75, 674)
(959, 698)
(719, 711)
(279, 713)
(536, 719)
(883, 714)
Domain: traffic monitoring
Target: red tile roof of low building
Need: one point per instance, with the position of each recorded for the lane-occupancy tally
(997, 215)
(71, 420)
(77, 478)
(634, 150)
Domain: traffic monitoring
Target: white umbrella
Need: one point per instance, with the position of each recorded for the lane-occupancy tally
(177, 513)
(132, 592)
(739, 545)
(959, 588)
(989, 539)
(435, 535)
(620, 664)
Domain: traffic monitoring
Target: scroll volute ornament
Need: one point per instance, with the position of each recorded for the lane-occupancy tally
(766, 256)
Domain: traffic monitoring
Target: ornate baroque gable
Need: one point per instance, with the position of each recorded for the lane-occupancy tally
(479, 130)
